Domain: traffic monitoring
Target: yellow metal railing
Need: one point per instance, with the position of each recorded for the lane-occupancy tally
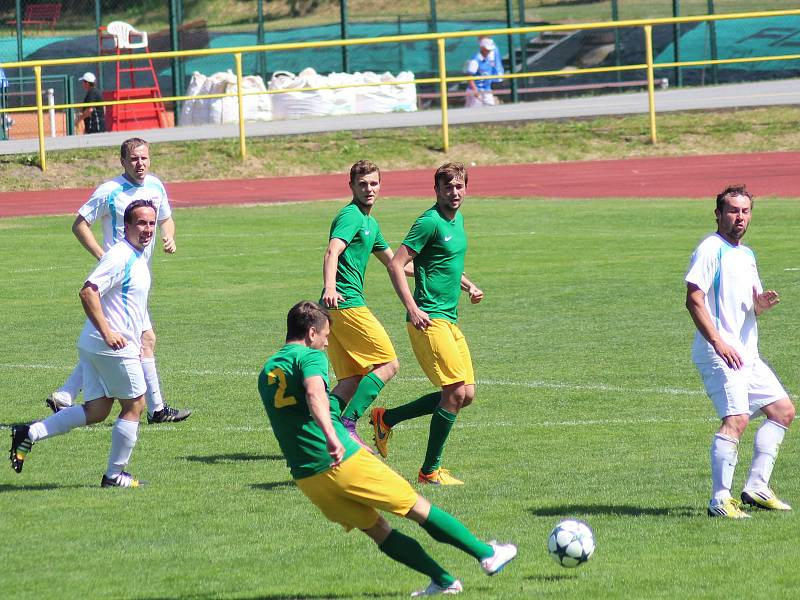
(442, 80)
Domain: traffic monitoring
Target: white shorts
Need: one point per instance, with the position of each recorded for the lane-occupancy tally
(146, 324)
(740, 392)
(482, 99)
(111, 376)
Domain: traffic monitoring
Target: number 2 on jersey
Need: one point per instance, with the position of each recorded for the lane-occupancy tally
(279, 377)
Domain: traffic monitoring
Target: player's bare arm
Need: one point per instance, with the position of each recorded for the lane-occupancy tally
(330, 297)
(168, 235)
(385, 256)
(696, 305)
(83, 231)
(397, 268)
(319, 407)
(475, 293)
(765, 300)
(90, 299)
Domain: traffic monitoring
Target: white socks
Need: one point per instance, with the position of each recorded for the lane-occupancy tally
(123, 439)
(153, 394)
(724, 455)
(61, 422)
(765, 450)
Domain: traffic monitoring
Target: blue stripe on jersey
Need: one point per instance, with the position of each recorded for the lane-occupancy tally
(126, 283)
(724, 249)
(112, 209)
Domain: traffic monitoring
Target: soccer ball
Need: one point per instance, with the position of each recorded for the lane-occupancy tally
(571, 543)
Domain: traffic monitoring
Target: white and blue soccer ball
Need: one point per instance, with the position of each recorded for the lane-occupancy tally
(571, 543)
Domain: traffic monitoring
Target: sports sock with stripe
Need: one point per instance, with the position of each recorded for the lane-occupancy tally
(407, 551)
(441, 424)
(368, 389)
(411, 410)
(445, 528)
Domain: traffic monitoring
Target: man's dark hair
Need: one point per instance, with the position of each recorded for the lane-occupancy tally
(449, 171)
(128, 146)
(128, 217)
(730, 192)
(302, 317)
(363, 167)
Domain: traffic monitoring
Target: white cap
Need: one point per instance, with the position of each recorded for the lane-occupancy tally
(487, 43)
(88, 77)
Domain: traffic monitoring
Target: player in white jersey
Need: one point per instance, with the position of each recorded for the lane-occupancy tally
(107, 204)
(114, 298)
(724, 296)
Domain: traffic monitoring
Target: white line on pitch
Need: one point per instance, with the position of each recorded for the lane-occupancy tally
(552, 385)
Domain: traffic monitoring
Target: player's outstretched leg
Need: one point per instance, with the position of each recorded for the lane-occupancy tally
(445, 528)
(24, 436)
(383, 419)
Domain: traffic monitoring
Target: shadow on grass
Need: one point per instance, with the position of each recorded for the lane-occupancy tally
(39, 487)
(622, 510)
(273, 485)
(289, 596)
(550, 578)
(215, 459)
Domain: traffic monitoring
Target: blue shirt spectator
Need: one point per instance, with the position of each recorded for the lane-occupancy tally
(486, 61)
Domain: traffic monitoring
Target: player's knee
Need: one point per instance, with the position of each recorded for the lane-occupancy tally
(786, 414)
(453, 397)
(380, 531)
(96, 411)
(390, 369)
(469, 395)
(734, 425)
(149, 341)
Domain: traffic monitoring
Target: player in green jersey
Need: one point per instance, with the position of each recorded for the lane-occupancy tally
(437, 244)
(360, 351)
(348, 484)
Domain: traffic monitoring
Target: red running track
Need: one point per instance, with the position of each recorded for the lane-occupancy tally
(766, 174)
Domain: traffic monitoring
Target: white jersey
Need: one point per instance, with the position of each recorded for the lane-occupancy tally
(109, 201)
(122, 277)
(728, 275)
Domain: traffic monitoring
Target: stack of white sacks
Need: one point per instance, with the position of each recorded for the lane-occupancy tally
(399, 94)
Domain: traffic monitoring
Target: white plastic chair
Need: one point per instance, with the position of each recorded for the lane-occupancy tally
(123, 32)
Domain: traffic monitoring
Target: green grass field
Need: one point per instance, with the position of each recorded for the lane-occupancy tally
(588, 406)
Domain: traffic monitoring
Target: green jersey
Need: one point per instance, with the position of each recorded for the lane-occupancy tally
(441, 245)
(363, 236)
(280, 384)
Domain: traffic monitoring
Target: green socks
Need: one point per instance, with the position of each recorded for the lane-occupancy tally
(368, 389)
(441, 424)
(445, 528)
(416, 408)
(407, 551)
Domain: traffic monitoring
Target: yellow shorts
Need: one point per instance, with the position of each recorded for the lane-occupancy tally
(442, 352)
(357, 342)
(352, 493)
